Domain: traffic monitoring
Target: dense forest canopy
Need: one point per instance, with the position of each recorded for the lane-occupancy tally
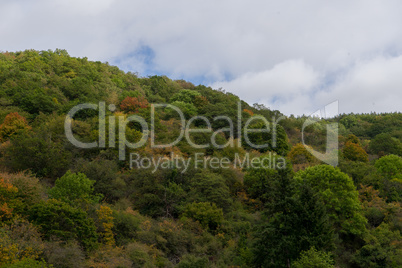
(65, 206)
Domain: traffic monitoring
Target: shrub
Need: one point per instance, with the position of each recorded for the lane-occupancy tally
(72, 187)
(313, 258)
(207, 214)
(59, 219)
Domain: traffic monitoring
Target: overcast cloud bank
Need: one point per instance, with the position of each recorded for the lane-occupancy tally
(292, 56)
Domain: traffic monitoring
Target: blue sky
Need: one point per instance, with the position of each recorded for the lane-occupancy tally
(294, 56)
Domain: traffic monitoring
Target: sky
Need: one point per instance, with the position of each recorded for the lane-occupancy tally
(292, 56)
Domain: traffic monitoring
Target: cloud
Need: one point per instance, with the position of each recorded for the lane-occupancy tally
(370, 86)
(286, 83)
(220, 42)
(293, 87)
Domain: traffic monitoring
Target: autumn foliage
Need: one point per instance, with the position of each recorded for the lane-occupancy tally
(354, 152)
(133, 104)
(7, 192)
(11, 125)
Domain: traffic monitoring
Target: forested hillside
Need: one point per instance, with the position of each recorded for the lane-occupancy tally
(65, 206)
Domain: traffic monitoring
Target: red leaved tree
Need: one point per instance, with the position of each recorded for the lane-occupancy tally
(133, 104)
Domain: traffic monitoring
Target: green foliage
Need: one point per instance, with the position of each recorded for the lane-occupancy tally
(125, 227)
(29, 263)
(73, 187)
(259, 182)
(188, 110)
(360, 172)
(185, 95)
(383, 248)
(43, 156)
(384, 143)
(236, 217)
(275, 138)
(190, 261)
(313, 258)
(207, 214)
(390, 180)
(390, 166)
(147, 191)
(105, 174)
(210, 187)
(292, 223)
(59, 219)
(339, 195)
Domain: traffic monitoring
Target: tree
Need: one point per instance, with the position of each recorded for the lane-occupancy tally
(72, 187)
(292, 223)
(105, 173)
(299, 155)
(210, 187)
(207, 214)
(42, 155)
(12, 124)
(188, 110)
(353, 139)
(125, 226)
(384, 144)
(276, 139)
(7, 195)
(106, 219)
(259, 182)
(133, 104)
(27, 190)
(31, 263)
(64, 254)
(185, 95)
(390, 166)
(20, 240)
(390, 182)
(354, 152)
(313, 258)
(56, 218)
(339, 195)
(191, 261)
(383, 248)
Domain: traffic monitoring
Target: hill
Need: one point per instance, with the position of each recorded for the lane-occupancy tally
(96, 185)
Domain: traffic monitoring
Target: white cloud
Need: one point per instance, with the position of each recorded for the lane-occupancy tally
(223, 42)
(289, 82)
(370, 86)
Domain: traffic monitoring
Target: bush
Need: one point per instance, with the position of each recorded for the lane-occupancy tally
(207, 214)
(191, 261)
(72, 187)
(29, 263)
(314, 259)
(30, 191)
(389, 166)
(125, 227)
(384, 144)
(59, 219)
(354, 152)
(64, 255)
